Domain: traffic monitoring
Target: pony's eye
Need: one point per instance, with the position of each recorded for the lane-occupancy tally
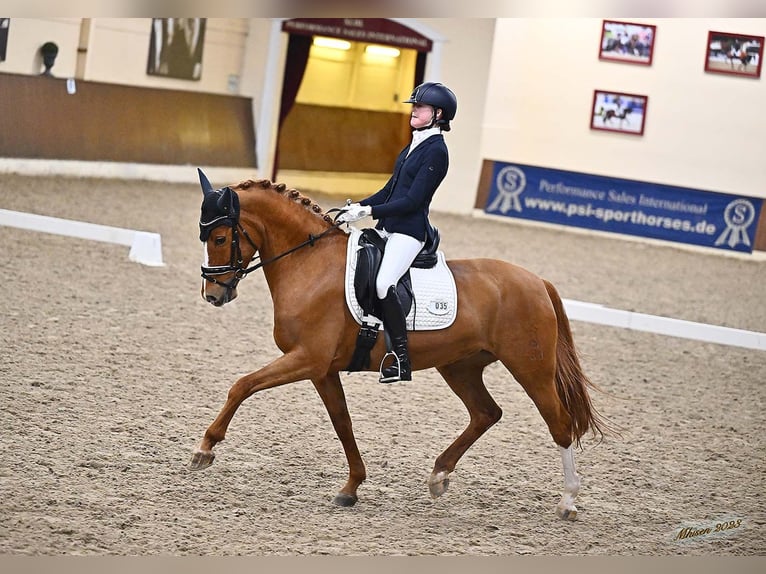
(220, 240)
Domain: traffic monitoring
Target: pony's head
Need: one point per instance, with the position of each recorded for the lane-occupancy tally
(220, 230)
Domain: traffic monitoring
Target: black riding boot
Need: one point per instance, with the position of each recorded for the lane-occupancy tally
(396, 327)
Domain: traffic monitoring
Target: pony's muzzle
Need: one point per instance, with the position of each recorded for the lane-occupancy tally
(218, 295)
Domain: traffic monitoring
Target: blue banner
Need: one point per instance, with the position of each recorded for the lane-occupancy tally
(624, 206)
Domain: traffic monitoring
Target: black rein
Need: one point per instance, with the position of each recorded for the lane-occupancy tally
(310, 242)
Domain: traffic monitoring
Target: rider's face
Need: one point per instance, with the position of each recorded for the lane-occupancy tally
(421, 115)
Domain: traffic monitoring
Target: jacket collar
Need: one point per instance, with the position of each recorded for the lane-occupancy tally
(420, 136)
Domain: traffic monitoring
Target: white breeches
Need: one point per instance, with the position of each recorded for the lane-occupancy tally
(401, 250)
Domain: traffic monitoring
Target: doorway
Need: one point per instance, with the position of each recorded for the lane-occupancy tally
(345, 80)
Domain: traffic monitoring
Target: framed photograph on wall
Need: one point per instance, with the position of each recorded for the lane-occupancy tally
(175, 48)
(627, 42)
(618, 112)
(737, 54)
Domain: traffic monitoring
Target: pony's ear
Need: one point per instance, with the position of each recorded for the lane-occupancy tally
(225, 202)
(204, 183)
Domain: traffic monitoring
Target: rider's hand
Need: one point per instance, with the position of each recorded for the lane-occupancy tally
(354, 212)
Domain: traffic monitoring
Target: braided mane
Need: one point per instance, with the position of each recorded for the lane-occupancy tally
(289, 193)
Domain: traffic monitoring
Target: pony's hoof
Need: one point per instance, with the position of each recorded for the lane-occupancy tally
(438, 484)
(343, 499)
(566, 513)
(201, 459)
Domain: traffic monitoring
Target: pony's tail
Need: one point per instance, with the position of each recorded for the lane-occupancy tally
(571, 382)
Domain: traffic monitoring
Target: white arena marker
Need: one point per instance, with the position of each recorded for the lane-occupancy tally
(593, 313)
(145, 248)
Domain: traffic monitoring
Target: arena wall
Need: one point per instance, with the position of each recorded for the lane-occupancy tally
(41, 120)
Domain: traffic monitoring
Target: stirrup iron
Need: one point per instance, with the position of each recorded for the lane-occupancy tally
(392, 377)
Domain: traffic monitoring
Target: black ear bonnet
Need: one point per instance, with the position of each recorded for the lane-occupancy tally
(220, 207)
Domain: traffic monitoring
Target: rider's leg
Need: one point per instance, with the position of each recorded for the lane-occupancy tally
(400, 252)
(396, 327)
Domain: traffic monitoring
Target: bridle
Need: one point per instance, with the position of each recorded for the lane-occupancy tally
(212, 273)
(236, 265)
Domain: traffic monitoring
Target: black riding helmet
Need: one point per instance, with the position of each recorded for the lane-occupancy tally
(439, 96)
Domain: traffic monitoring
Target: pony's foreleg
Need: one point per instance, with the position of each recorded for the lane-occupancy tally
(334, 399)
(286, 369)
(566, 508)
(465, 380)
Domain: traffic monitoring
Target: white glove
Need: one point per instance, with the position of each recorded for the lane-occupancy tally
(354, 212)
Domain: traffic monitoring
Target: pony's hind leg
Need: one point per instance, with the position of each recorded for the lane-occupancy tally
(541, 387)
(465, 380)
(566, 508)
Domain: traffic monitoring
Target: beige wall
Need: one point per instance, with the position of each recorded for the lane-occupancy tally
(26, 35)
(465, 68)
(118, 51)
(702, 130)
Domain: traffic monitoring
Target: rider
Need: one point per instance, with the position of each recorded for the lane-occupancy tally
(401, 208)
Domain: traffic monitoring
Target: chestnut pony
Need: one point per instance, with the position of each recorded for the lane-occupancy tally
(505, 314)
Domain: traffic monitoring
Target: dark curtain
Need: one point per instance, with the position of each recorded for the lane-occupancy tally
(4, 25)
(420, 68)
(298, 49)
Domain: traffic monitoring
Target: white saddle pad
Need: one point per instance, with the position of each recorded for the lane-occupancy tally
(435, 304)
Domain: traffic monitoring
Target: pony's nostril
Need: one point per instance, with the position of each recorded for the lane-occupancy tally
(211, 299)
